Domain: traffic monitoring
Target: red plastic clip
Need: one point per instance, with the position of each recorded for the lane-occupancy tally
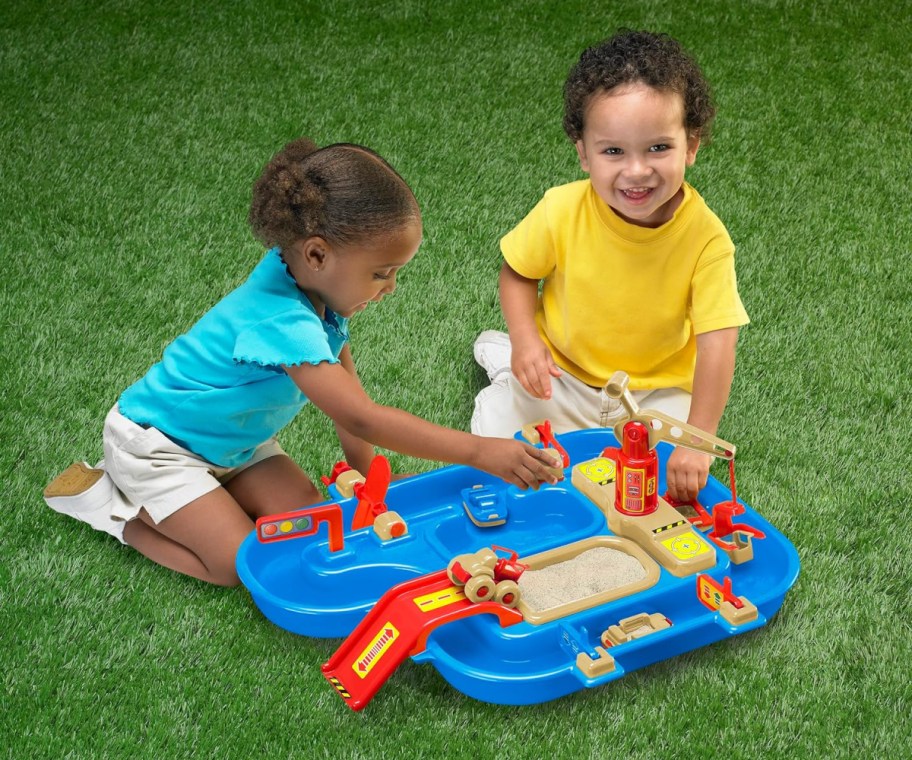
(548, 439)
(337, 470)
(723, 525)
(702, 519)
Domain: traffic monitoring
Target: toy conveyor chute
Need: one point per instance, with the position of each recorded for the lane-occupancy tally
(398, 627)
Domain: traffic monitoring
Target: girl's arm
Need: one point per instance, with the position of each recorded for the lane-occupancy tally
(687, 470)
(358, 452)
(531, 363)
(339, 395)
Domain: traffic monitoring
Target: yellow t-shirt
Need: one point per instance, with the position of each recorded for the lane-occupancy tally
(619, 296)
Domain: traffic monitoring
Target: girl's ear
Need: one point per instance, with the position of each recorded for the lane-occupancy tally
(312, 251)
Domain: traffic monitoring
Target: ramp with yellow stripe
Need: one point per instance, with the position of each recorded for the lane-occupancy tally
(398, 627)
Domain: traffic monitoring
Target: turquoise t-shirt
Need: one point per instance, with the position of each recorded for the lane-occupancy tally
(219, 389)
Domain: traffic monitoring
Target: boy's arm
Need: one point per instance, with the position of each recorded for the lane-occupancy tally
(687, 470)
(713, 375)
(531, 363)
(339, 395)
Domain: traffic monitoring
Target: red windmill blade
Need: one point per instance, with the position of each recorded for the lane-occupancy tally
(372, 492)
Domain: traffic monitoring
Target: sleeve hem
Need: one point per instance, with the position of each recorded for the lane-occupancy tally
(721, 323)
(260, 362)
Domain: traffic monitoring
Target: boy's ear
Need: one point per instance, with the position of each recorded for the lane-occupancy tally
(581, 152)
(693, 145)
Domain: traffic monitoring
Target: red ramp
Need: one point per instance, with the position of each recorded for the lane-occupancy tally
(397, 627)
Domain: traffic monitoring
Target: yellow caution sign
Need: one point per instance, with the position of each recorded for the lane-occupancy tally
(686, 546)
(600, 471)
(378, 646)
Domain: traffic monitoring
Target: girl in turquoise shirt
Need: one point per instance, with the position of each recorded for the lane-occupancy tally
(191, 458)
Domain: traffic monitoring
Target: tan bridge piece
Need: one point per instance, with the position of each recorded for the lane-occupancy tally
(663, 427)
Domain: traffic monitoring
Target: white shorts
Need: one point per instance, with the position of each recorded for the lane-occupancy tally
(151, 471)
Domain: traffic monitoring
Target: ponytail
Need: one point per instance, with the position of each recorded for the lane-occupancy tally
(343, 193)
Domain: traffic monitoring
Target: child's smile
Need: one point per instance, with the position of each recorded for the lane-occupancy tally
(635, 149)
(637, 194)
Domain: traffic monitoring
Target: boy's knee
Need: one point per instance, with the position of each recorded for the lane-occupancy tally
(492, 417)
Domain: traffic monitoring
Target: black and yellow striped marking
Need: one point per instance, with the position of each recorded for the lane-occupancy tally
(677, 524)
(339, 687)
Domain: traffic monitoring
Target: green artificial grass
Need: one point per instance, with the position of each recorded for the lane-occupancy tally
(132, 133)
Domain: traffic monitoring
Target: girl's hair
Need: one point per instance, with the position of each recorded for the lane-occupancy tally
(630, 56)
(343, 193)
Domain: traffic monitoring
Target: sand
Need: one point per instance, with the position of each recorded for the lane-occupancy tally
(592, 572)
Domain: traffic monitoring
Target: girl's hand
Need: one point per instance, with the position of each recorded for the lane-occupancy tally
(338, 393)
(533, 366)
(686, 473)
(516, 462)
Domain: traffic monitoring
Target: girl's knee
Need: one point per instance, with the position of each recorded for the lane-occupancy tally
(310, 494)
(227, 577)
(219, 561)
(211, 562)
(273, 485)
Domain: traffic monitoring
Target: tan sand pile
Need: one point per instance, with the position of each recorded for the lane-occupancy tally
(592, 572)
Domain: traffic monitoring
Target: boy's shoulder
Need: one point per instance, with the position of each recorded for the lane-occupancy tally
(569, 193)
(563, 202)
(702, 213)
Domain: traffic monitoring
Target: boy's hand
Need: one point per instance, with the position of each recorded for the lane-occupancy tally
(516, 462)
(533, 366)
(686, 473)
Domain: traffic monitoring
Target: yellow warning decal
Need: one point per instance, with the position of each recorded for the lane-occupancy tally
(601, 471)
(440, 599)
(677, 524)
(686, 546)
(339, 687)
(378, 646)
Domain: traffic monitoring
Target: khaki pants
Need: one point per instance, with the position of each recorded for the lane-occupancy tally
(504, 407)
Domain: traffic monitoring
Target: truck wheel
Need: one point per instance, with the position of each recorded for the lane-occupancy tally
(507, 593)
(480, 588)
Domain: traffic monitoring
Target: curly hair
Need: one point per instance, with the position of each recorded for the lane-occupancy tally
(632, 56)
(343, 193)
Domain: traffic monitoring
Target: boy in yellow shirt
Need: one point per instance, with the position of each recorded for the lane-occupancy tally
(636, 272)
